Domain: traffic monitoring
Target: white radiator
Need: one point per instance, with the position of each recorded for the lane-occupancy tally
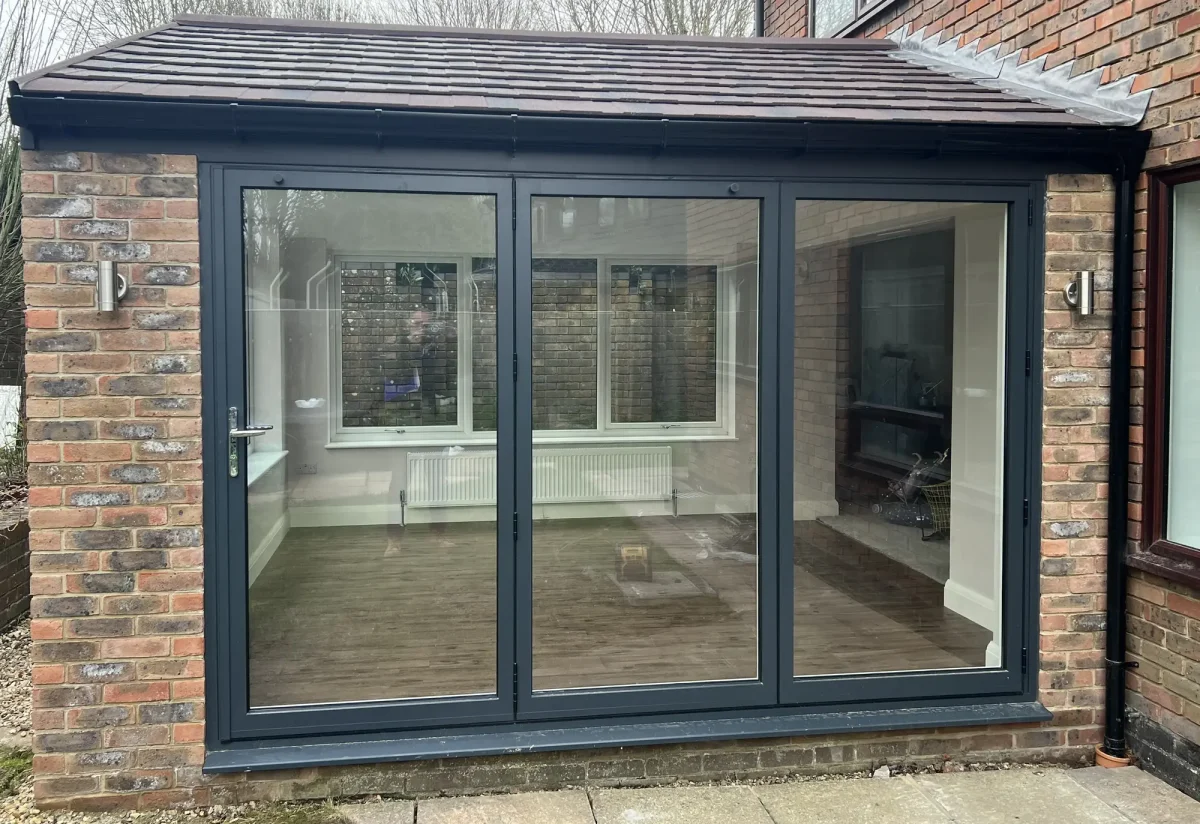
(560, 475)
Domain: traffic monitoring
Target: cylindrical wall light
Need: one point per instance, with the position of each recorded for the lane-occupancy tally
(110, 286)
(1080, 293)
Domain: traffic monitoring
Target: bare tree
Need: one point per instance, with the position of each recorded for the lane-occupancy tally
(591, 15)
(100, 21)
(469, 14)
(94, 22)
(717, 18)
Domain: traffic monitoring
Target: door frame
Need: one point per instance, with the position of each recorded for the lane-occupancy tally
(797, 704)
(647, 699)
(224, 368)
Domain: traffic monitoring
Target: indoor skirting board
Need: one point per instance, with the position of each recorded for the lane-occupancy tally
(970, 604)
(261, 556)
(810, 510)
(993, 657)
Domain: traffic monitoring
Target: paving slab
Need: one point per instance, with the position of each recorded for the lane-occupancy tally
(850, 801)
(1022, 795)
(561, 807)
(679, 805)
(1138, 796)
(379, 812)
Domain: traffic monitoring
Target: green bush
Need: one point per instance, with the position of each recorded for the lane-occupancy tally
(14, 766)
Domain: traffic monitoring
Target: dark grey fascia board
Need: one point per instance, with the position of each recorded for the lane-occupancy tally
(97, 116)
(511, 739)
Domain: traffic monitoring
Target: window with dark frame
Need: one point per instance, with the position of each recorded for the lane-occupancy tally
(832, 18)
(1172, 434)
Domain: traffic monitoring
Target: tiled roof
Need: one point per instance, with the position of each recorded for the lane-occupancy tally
(282, 62)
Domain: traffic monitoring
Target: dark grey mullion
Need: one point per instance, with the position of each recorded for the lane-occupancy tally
(785, 379)
(1026, 299)
(213, 367)
(506, 492)
(769, 458)
(234, 489)
(523, 435)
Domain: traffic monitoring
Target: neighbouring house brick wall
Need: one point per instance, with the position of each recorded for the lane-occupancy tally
(14, 572)
(116, 548)
(115, 479)
(1164, 694)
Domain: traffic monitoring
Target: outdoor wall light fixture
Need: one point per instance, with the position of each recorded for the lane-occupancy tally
(1080, 293)
(111, 286)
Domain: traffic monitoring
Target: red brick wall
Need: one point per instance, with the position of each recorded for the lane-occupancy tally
(1164, 690)
(115, 483)
(1075, 380)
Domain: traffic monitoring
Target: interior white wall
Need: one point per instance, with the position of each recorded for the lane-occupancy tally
(977, 422)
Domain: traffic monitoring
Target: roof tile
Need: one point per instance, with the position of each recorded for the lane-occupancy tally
(694, 78)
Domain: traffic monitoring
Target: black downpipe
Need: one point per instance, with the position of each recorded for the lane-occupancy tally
(1125, 178)
(760, 17)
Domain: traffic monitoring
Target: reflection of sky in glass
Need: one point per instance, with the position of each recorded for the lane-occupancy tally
(1183, 517)
(831, 15)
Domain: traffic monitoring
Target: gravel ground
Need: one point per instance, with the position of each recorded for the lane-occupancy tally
(14, 685)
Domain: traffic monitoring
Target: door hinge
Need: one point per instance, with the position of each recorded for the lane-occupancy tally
(515, 688)
(514, 368)
(1031, 213)
(516, 524)
(1028, 363)
(1025, 511)
(1024, 660)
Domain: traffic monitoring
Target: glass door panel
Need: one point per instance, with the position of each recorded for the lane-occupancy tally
(371, 330)
(645, 555)
(898, 436)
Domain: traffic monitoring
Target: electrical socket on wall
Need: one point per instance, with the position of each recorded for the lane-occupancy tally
(308, 469)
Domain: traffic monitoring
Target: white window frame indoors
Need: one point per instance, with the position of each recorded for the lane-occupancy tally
(606, 430)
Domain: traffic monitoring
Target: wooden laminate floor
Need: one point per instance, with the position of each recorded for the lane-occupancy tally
(374, 613)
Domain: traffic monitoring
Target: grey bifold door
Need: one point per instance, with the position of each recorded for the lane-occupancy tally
(645, 523)
(492, 450)
(366, 435)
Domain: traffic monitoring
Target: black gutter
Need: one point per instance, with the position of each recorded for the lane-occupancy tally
(1125, 179)
(154, 118)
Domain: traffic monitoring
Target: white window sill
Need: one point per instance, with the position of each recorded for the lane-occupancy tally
(582, 440)
(259, 463)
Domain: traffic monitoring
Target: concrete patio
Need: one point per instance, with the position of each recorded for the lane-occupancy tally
(1029, 795)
